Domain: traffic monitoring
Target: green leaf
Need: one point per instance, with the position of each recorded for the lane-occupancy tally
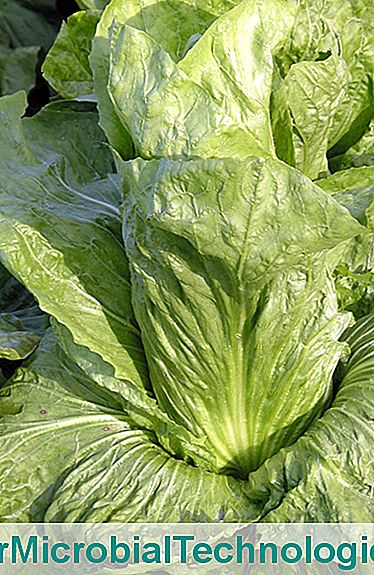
(92, 4)
(354, 276)
(233, 63)
(352, 20)
(16, 341)
(310, 93)
(224, 293)
(18, 67)
(170, 23)
(141, 409)
(323, 89)
(195, 125)
(68, 453)
(355, 291)
(326, 476)
(46, 7)
(60, 227)
(190, 373)
(23, 24)
(26, 28)
(217, 97)
(80, 460)
(359, 155)
(66, 66)
(348, 180)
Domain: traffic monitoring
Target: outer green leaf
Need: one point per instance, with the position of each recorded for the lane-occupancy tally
(141, 410)
(60, 231)
(46, 7)
(66, 67)
(327, 475)
(224, 295)
(360, 202)
(354, 189)
(81, 461)
(68, 453)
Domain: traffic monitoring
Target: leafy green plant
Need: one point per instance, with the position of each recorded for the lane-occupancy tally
(201, 364)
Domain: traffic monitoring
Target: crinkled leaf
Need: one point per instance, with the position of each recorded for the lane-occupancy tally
(141, 409)
(231, 264)
(233, 63)
(323, 95)
(194, 125)
(217, 278)
(352, 20)
(327, 475)
(80, 460)
(68, 453)
(310, 94)
(355, 290)
(170, 23)
(350, 180)
(217, 97)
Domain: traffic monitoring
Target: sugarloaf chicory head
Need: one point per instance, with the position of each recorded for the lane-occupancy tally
(206, 272)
